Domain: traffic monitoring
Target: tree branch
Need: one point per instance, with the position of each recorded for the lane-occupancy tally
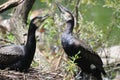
(9, 4)
(76, 11)
(23, 10)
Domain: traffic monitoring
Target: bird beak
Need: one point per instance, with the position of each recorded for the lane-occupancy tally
(40, 19)
(61, 8)
(65, 13)
(45, 17)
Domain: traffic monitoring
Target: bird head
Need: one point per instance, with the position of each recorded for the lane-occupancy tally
(67, 15)
(39, 19)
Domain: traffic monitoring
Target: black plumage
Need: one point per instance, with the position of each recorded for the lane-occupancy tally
(88, 61)
(19, 57)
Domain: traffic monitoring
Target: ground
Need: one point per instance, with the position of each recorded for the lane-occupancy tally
(33, 74)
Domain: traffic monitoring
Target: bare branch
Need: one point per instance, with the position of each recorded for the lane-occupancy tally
(76, 10)
(6, 41)
(9, 4)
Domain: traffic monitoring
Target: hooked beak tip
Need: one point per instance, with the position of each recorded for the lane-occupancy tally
(59, 7)
(45, 17)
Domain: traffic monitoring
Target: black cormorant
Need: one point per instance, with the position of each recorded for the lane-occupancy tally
(19, 57)
(88, 61)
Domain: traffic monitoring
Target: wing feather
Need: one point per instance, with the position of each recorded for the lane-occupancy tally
(10, 54)
(12, 50)
(92, 55)
(80, 43)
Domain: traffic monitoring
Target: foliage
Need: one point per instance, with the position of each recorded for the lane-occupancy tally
(10, 37)
(71, 65)
(88, 32)
(114, 26)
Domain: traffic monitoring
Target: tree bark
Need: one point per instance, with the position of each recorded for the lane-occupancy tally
(9, 4)
(19, 20)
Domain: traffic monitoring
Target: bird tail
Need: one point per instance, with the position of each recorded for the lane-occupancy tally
(103, 71)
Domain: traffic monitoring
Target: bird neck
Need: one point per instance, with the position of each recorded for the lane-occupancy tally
(69, 26)
(31, 42)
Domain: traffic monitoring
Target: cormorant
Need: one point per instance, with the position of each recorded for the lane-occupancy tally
(88, 61)
(19, 57)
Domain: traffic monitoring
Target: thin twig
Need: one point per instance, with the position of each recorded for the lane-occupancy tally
(9, 4)
(76, 12)
(7, 41)
(113, 69)
(59, 61)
